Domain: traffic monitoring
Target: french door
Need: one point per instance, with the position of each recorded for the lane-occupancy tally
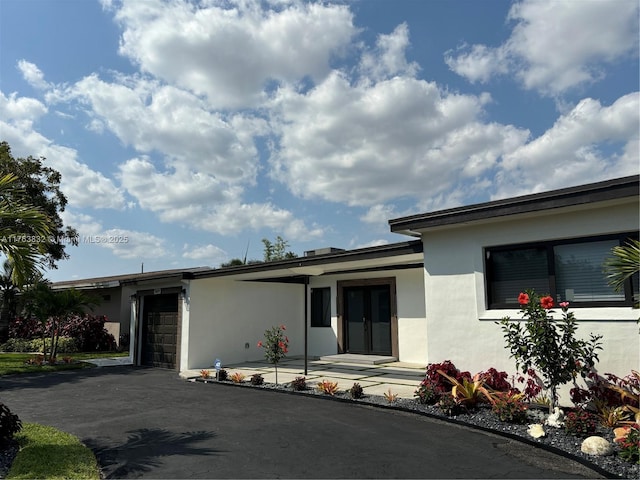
(367, 315)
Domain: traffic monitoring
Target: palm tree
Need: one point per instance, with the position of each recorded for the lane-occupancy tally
(24, 231)
(64, 304)
(624, 263)
(9, 303)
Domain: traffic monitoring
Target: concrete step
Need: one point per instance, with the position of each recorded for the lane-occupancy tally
(359, 359)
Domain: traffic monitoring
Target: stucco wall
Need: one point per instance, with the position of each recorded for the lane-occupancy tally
(412, 331)
(461, 329)
(225, 314)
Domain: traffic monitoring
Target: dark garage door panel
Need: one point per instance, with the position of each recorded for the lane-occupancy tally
(160, 336)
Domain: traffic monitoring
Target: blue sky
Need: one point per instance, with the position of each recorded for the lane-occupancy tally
(193, 129)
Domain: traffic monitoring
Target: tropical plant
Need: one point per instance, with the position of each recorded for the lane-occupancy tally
(448, 405)
(467, 392)
(256, 379)
(9, 292)
(237, 377)
(327, 387)
(222, 375)
(509, 407)
(276, 346)
(427, 393)
(623, 264)
(390, 397)
(10, 424)
(437, 381)
(356, 391)
(25, 231)
(299, 384)
(548, 344)
(204, 373)
(629, 442)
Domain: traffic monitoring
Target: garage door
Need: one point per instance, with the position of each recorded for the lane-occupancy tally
(160, 330)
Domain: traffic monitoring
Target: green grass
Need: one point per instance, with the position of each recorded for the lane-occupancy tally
(49, 453)
(11, 363)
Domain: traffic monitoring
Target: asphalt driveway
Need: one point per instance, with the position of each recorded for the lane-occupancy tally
(148, 423)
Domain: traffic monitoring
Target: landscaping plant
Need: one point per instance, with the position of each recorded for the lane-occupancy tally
(580, 423)
(427, 393)
(299, 384)
(390, 397)
(205, 374)
(276, 346)
(222, 375)
(327, 387)
(10, 424)
(467, 392)
(549, 345)
(237, 377)
(629, 443)
(356, 391)
(256, 379)
(509, 407)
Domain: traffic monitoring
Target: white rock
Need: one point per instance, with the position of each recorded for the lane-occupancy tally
(536, 431)
(597, 446)
(556, 419)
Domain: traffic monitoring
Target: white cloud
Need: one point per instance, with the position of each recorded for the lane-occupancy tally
(368, 144)
(228, 51)
(82, 185)
(32, 74)
(555, 46)
(388, 59)
(123, 243)
(210, 253)
(576, 149)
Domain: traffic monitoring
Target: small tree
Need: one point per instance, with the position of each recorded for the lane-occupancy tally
(276, 250)
(276, 346)
(549, 345)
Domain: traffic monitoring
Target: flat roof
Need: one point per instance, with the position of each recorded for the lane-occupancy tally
(615, 189)
(117, 280)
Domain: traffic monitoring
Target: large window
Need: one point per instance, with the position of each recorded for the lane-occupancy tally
(321, 307)
(570, 270)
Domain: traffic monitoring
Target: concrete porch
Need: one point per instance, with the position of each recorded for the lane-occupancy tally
(375, 378)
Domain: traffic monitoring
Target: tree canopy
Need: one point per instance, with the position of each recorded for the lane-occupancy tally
(39, 184)
(276, 250)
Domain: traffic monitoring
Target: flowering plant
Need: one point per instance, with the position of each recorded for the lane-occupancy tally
(276, 345)
(629, 443)
(548, 344)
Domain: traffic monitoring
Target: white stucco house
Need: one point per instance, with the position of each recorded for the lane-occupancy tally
(433, 298)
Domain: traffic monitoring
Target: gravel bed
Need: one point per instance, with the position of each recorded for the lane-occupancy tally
(556, 439)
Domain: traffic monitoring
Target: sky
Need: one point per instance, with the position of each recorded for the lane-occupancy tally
(188, 131)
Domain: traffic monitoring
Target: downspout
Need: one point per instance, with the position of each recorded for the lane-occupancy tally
(306, 318)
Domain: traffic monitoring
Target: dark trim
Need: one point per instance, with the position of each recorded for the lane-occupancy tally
(548, 246)
(393, 300)
(369, 253)
(585, 194)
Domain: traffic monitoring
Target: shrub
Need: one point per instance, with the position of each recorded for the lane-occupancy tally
(276, 346)
(25, 327)
(327, 387)
(299, 384)
(356, 391)
(434, 375)
(256, 379)
(222, 375)
(580, 423)
(448, 405)
(629, 444)
(427, 393)
(204, 373)
(89, 332)
(509, 407)
(65, 345)
(10, 424)
(467, 392)
(548, 344)
(237, 377)
(496, 380)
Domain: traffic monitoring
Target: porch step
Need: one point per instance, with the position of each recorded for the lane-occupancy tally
(363, 359)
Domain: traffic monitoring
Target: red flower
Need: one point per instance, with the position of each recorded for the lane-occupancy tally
(523, 299)
(281, 345)
(286, 339)
(546, 302)
(260, 344)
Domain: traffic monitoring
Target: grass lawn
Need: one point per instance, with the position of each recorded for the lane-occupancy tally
(49, 453)
(15, 362)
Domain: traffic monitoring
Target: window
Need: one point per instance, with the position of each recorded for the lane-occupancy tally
(570, 270)
(321, 307)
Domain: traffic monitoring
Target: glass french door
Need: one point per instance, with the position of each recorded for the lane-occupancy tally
(368, 319)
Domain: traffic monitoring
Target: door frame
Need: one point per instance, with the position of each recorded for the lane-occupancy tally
(365, 282)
